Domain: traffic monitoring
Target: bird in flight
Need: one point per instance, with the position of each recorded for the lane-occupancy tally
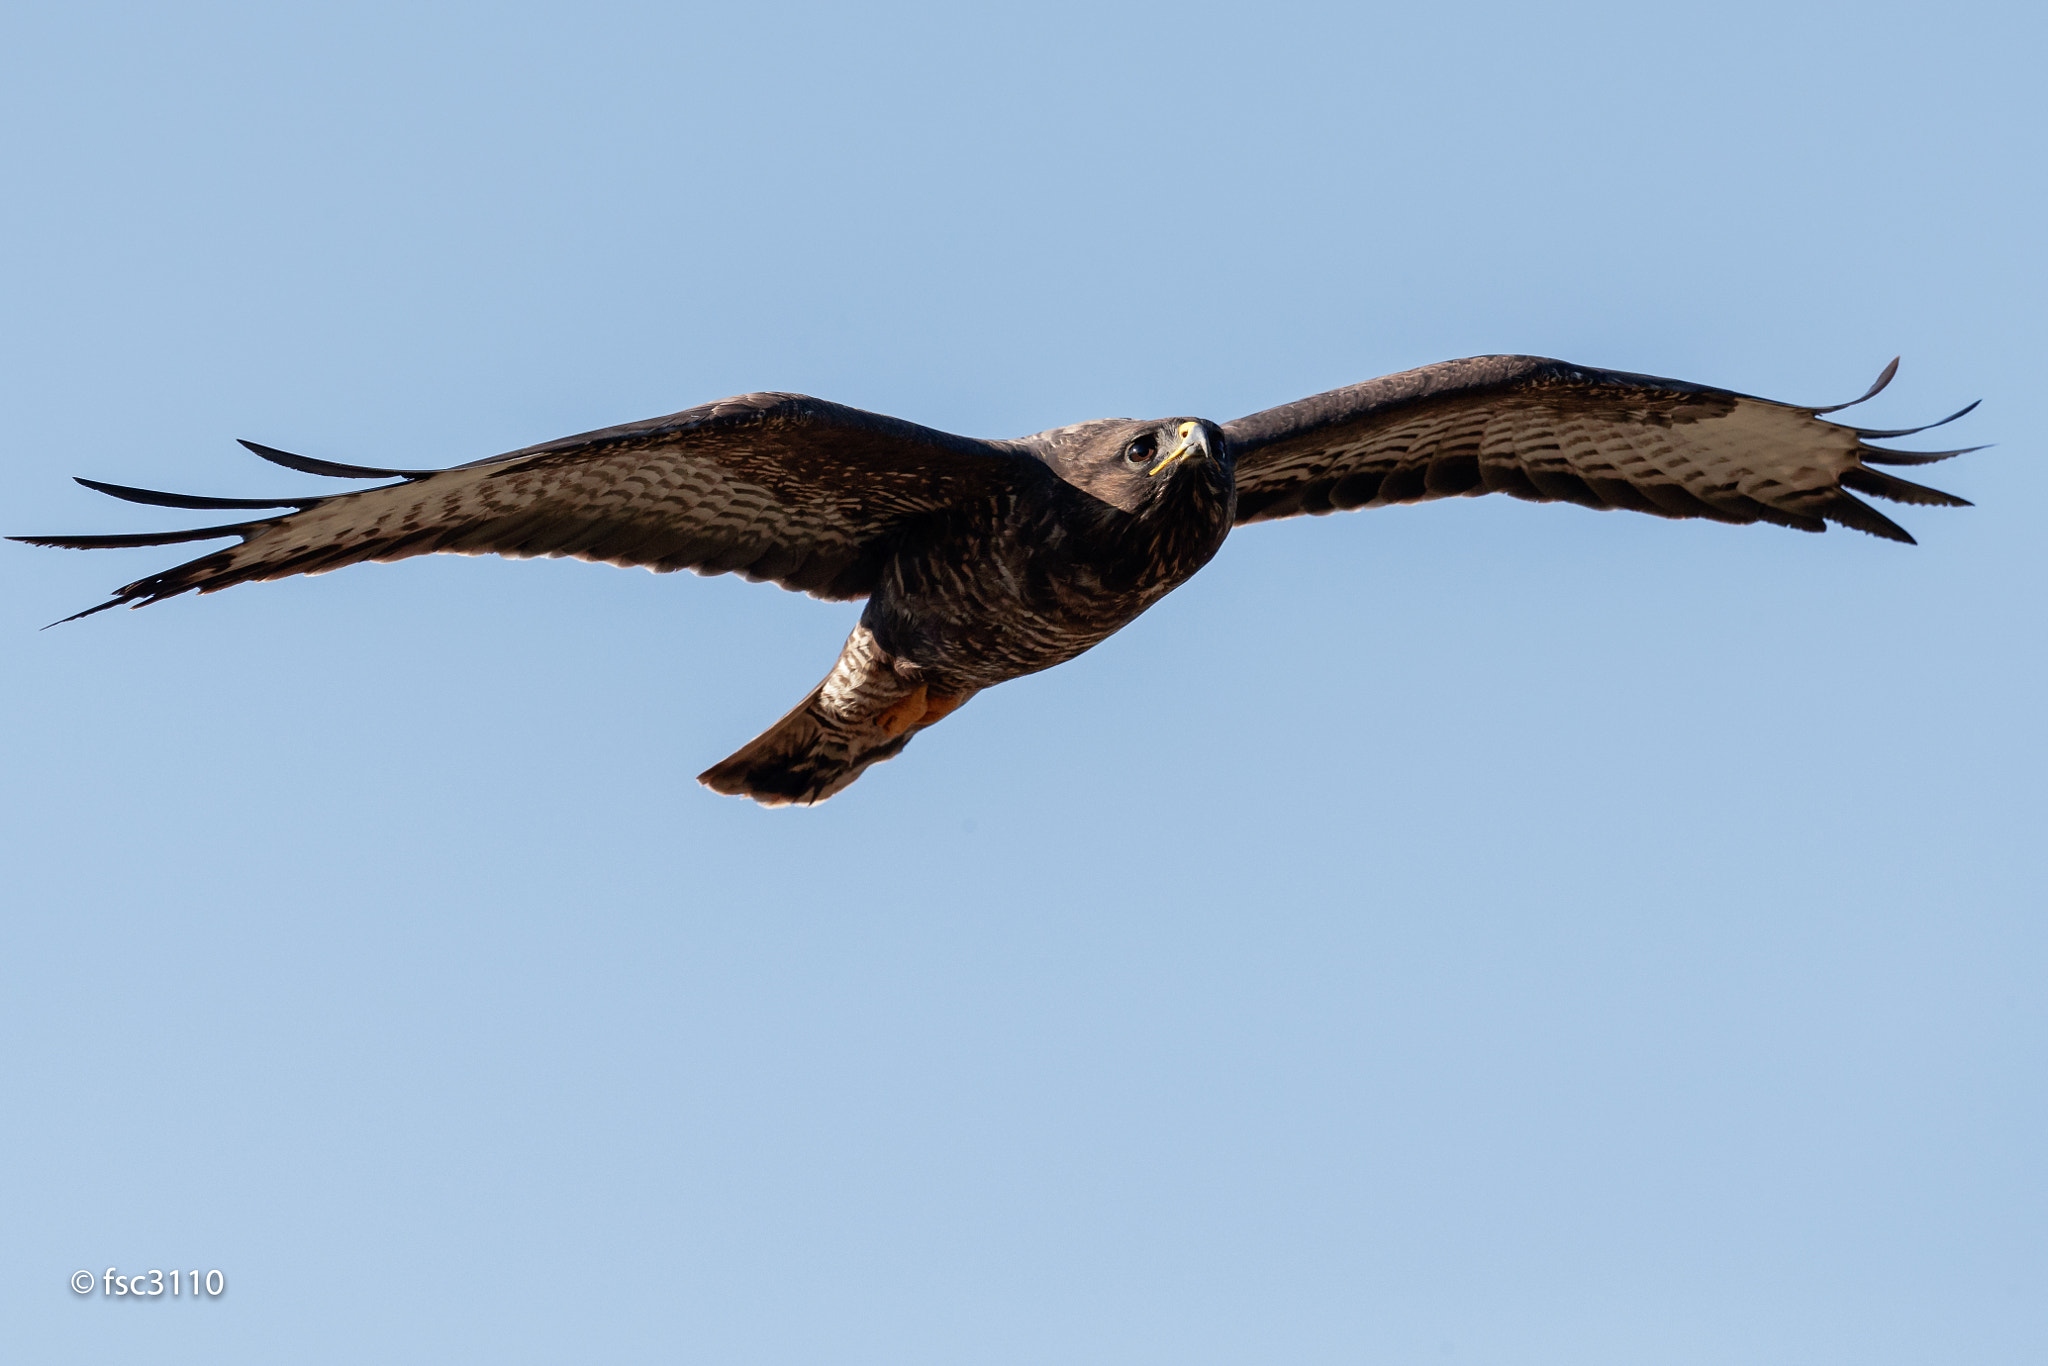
(983, 561)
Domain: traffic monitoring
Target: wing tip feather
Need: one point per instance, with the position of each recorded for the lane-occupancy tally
(333, 469)
(193, 501)
(1846, 509)
(1880, 455)
(1864, 433)
(130, 541)
(1878, 484)
(1877, 387)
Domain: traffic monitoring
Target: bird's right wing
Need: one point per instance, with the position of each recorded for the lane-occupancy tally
(777, 487)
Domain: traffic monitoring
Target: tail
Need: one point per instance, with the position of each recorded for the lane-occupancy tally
(805, 757)
(812, 753)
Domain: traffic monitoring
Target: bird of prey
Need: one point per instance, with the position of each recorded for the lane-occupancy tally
(982, 561)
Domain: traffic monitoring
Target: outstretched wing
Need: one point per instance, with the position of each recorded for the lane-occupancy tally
(777, 487)
(1549, 431)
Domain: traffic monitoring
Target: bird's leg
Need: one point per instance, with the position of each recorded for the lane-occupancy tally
(866, 675)
(901, 715)
(940, 705)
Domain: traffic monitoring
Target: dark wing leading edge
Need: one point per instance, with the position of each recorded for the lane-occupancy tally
(1549, 431)
(777, 487)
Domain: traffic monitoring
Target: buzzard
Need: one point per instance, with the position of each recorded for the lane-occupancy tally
(983, 561)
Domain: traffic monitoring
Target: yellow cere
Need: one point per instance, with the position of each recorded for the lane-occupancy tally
(1181, 448)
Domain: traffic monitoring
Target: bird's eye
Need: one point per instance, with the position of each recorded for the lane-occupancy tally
(1141, 451)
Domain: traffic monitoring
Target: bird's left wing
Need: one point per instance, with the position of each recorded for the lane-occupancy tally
(1550, 431)
(777, 487)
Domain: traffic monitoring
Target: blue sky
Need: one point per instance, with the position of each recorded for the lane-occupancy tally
(1478, 932)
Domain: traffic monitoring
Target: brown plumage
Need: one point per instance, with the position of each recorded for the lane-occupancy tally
(983, 561)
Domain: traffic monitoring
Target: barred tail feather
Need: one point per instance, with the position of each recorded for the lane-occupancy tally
(804, 758)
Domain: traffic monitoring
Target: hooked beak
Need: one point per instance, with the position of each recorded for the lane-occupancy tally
(1187, 440)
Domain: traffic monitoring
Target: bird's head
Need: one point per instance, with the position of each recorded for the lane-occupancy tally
(1142, 466)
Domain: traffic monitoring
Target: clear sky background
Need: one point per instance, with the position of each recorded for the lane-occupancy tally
(1479, 932)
